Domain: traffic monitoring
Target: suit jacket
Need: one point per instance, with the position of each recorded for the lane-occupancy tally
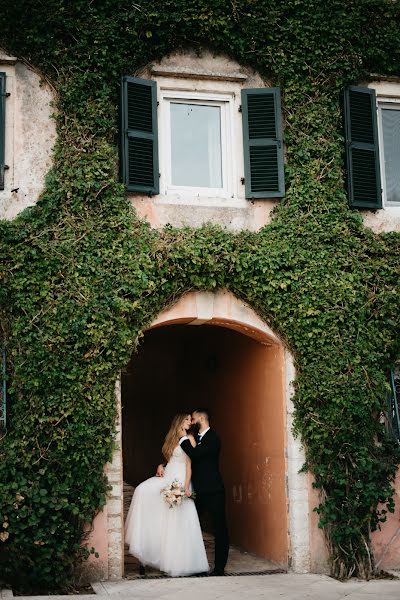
(206, 477)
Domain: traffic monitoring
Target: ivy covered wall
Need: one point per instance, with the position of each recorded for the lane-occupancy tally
(82, 275)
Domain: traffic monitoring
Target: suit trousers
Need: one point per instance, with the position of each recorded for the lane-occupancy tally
(214, 505)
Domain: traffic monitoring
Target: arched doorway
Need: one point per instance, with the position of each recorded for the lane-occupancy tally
(223, 311)
(236, 368)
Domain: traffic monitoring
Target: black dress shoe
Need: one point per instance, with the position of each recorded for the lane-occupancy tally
(217, 573)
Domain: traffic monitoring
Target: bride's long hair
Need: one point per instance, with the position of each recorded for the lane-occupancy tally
(173, 435)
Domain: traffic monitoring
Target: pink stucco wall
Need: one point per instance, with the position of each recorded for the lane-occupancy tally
(385, 543)
(98, 539)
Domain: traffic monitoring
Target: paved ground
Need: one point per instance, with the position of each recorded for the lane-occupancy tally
(271, 587)
(281, 587)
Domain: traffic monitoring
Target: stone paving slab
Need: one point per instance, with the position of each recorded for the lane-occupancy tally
(281, 587)
(270, 587)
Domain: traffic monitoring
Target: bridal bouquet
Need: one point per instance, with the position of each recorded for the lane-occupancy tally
(174, 494)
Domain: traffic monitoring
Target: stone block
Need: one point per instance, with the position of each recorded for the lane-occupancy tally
(90, 571)
(116, 491)
(114, 477)
(114, 506)
(116, 461)
(114, 523)
(115, 547)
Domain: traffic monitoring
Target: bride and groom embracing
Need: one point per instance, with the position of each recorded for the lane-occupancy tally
(168, 536)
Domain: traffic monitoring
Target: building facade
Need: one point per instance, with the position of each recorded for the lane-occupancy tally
(217, 340)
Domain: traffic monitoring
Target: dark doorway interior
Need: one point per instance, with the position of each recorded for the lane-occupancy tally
(241, 381)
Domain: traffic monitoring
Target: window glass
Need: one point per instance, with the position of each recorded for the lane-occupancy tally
(196, 158)
(391, 150)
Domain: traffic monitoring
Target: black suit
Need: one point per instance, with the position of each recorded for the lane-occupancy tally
(210, 491)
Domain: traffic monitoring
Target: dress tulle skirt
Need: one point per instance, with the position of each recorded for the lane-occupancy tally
(168, 539)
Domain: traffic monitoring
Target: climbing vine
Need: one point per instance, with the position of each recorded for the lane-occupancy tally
(82, 276)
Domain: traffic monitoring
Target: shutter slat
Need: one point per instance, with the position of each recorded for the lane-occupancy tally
(263, 168)
(2, 127)
(141, 167)
(262, 143)
(139, 142)
(362, 151)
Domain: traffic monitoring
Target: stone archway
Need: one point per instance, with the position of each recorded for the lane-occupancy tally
(223, 309)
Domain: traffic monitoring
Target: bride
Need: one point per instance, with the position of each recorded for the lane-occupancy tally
(168, 539)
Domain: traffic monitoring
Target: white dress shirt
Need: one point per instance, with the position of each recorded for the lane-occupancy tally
(203, 433)
(185, 437)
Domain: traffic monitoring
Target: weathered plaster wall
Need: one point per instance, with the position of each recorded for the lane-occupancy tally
(30, 137)
(382, 220)
(319, 556)
(216, 75)
(386, 543)
(250, 416)
(106, 532)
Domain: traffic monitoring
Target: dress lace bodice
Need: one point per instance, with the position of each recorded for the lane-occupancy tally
(178, 456)
(176, 467)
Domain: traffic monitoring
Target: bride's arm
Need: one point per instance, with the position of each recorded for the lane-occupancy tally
(188, 476)
(189, 468)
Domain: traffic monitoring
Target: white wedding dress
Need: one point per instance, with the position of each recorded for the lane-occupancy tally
(168, 539)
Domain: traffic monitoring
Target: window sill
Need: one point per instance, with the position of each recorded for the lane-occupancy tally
(382, 220)
(395, 210)
(235, 214)
(201, 201)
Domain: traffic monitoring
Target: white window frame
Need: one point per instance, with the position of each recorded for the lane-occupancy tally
(392, 104)
(225, 102)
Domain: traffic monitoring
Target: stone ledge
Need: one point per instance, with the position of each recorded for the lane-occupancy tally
(388, 78)
(7, 60)
(192, 73)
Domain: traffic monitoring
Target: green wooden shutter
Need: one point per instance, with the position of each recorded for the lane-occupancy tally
(362, 150)
(262, 143)
(139, 143)
(2, 127)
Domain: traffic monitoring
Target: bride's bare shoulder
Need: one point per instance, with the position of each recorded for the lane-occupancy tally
(192, 440)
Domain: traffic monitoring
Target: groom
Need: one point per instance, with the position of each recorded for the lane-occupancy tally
(207, 482)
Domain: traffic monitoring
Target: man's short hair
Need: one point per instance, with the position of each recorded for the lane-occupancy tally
(203, 411)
